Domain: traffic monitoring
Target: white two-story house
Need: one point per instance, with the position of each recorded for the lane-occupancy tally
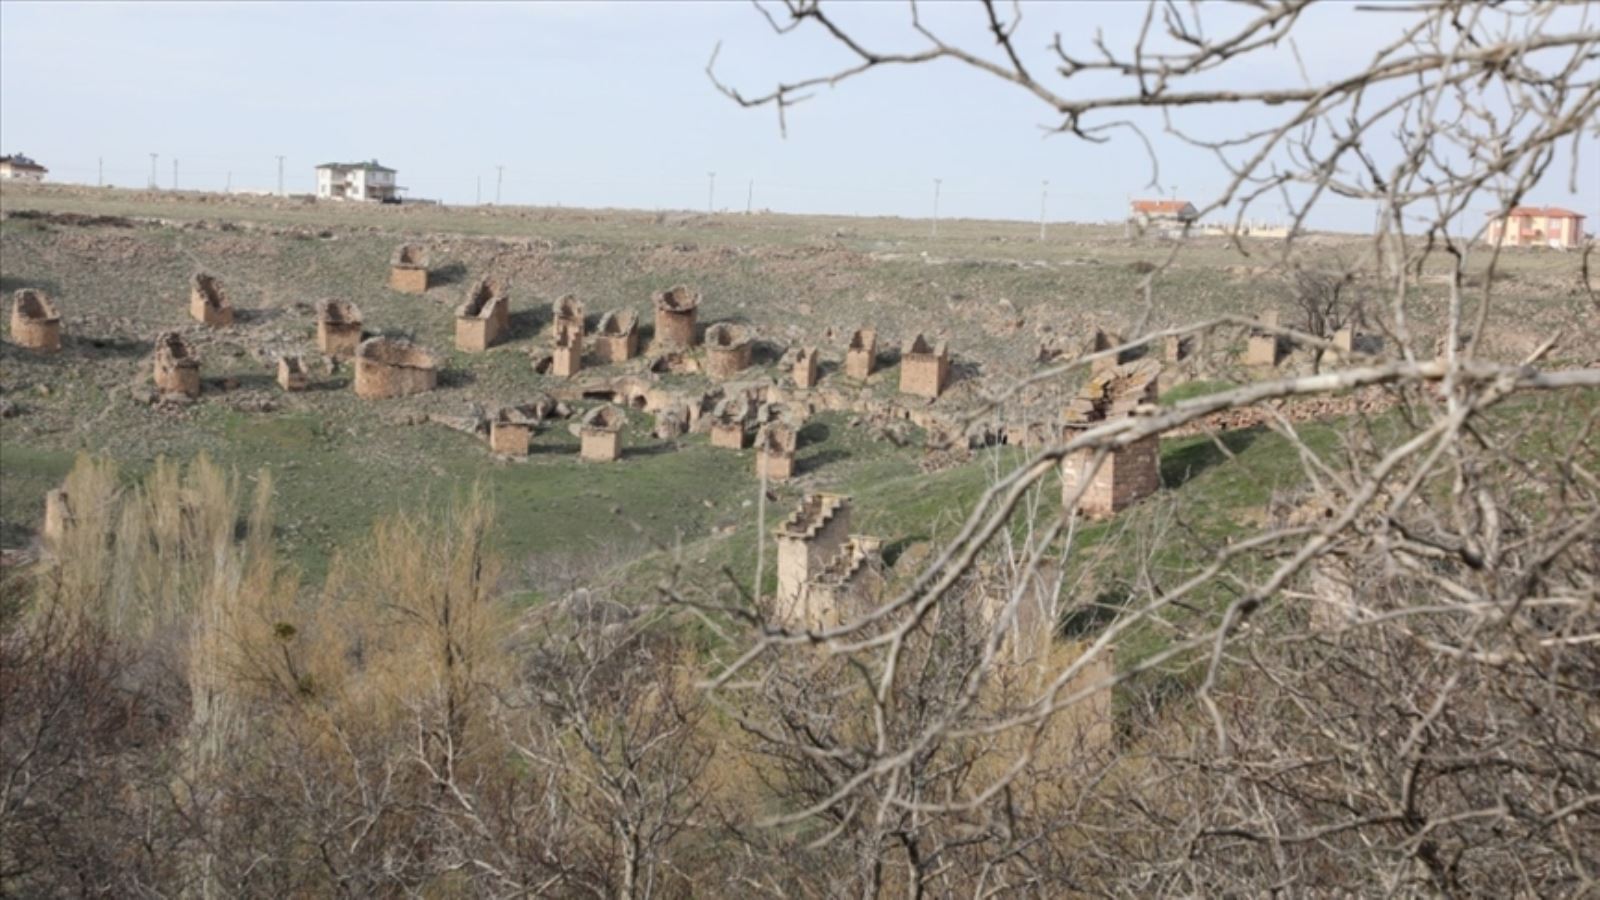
(357, 181)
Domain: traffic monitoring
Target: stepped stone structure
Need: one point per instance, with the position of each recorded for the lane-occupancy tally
(617, 336)
(677, 311)
(861, 358)
(566, 315)
(924, 368)
(177, 366)
(1261, 348)
(1128, 473)
(600, 434)
(292, 375)
(35, 323)
(728, 350)
(824, 572)
(338, 327)
(805, 368)
(775, 448)
(511, 429)
(566, 359)
(616, 340)
(484, 319)
(408, 269)
(208, 301)
(392, 367)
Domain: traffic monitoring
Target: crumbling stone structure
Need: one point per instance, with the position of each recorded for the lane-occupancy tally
(924, 368)
(861, 358)
(677, 310)
(408, 269)
(511, 429)
(1100, 342)
(1177, 348)
(392, 367)
(567, 316)
(775, 448)
(728, 420)
(617, 338)
(600, 434)
(805, 368)
(208, 301)
(484, 319)
(57, 516)
(728, 350)
(292, 375)
(1344, 340)
(1128, 473)
(824, 573)
(177, 366)
(566, 360)
(35, 323)
(338, 327)
(1261, 348)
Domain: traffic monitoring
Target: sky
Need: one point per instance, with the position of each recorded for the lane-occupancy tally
(606, 105)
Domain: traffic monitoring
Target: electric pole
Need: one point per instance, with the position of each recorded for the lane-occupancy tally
(1044, 192)
(711, 192)
(153, 171)
(174, 173)
(100, 179)
(749, 196)
(499, 172)
(228, 186)
(477, 199)
(936, 183)
(280, 176)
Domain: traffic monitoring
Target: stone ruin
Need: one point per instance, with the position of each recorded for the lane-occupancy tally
(338, 327)
(177, 367)
(677, 309)
(208, 301)
(566, 359)
(1102, 341)
(57, 516)
(567, 316)
(616, 340)
(825, 573)
(408, 269)
(511, 428)
(775, 448)
(484, 318)
(924, 368)
(1177, 348)
(600, 434)
(292, 375)
(35, 323)
(1128, 473)
(394, 367)
(728, 420)
(728, 350)
(805, 368)
(1261, 348)
(861, 358)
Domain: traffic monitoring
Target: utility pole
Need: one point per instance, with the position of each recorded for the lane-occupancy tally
(936, 183)
(477, 198)
(1044, 192)
(499, 172)
(749, 196)
(153, 171)
(174, 173)
(280, 176)
(711, 192)
(100, 179)
(228, 186)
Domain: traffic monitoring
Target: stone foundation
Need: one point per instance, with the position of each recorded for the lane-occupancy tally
(35, 323)
(390, 367)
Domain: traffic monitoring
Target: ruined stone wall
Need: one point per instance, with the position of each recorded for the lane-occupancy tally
(35, 323)
(774, 464)
(1261, 348)
(924, 374)
(728, 435)
(292, 374)
(208, 301)
(1127, 475)
(408, 269)
(510, 438)
(861, 359)
(177, 368)
(805, 368)
(386, 367)
(485, 318)
(598, 445)
(338, 328)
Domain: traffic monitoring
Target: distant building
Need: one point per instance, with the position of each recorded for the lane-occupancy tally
(20, 168)
(1538, 226)
(357, 181)
(1166, 217)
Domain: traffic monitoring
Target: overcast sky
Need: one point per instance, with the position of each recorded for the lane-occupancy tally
(604, 105)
